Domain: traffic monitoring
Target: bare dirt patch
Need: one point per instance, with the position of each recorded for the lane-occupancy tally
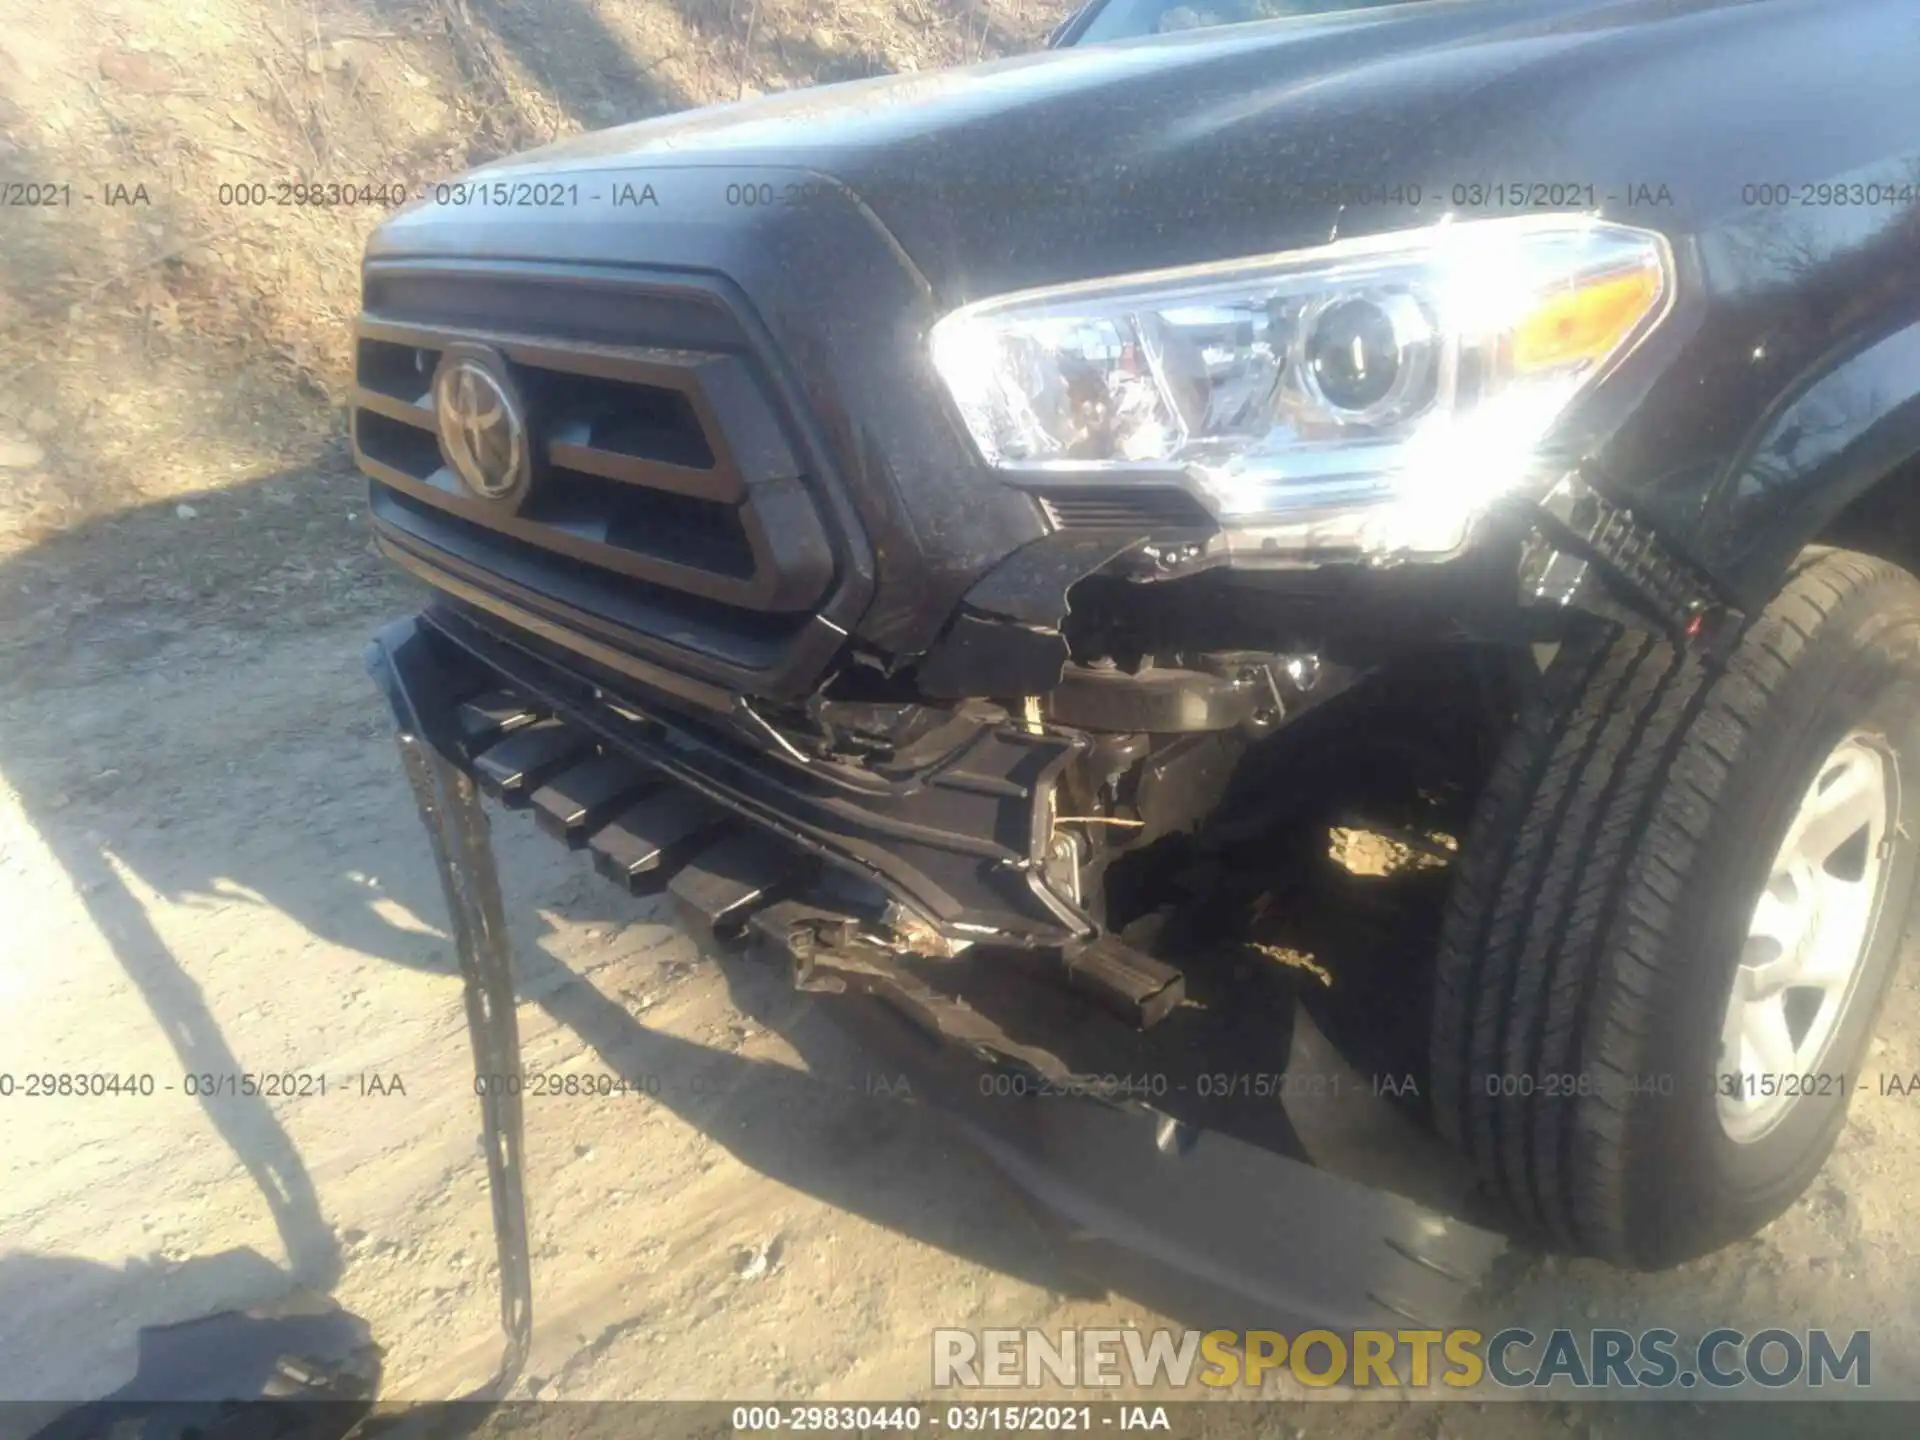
(175, 306)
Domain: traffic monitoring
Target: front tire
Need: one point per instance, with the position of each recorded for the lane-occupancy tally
(1669, 938)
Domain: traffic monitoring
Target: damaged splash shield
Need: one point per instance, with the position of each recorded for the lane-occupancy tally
(1177, 1208)
(403, 665)
(953, 829)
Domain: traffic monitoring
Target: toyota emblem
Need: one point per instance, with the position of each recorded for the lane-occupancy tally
(482, 424)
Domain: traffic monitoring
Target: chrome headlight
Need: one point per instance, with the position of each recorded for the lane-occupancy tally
(1400, 381)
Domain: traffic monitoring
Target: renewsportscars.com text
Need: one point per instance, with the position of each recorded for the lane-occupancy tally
(1460, 1359)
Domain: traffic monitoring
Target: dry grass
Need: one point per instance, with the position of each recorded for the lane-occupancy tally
(184, 342)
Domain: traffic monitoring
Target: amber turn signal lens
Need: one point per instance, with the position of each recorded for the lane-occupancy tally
(1585, 323)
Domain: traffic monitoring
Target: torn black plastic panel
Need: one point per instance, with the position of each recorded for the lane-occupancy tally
(1591, 554)
(1006, 639)
(955, 835)
(1248, 1236)
(426, 685)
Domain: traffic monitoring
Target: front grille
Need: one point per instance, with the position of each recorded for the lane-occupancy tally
(671, 516)
(1122, 507)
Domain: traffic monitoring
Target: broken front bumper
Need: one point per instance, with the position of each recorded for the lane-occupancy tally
(1212, 1224)
(950, 836)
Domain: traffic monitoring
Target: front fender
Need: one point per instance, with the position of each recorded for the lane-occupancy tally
(1794, 394)
(1849, 425)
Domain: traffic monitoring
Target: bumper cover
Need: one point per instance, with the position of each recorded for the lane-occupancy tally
(952, 836)
(1203, 1225)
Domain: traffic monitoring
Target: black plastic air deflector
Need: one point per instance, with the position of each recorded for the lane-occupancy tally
(952, 837)
(642, 847)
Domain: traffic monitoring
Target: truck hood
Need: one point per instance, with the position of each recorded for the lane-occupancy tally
(1246, 138)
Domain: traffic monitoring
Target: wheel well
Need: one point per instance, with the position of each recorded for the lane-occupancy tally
(1883, 520)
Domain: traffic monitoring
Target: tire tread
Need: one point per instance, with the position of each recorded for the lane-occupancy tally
(1571, 882)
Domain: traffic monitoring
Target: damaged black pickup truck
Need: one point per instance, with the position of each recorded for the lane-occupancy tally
(935, 528)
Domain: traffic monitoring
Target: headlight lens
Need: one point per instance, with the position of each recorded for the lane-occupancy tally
(1422, 366)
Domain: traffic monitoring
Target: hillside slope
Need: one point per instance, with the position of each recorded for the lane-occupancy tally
(159, 335)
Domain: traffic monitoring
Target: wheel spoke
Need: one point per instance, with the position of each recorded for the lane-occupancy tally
(1828, 959)
(1766, 1044)
(1778, 916)
(1761, 966)
(1848, 797)
(1732, 1023)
